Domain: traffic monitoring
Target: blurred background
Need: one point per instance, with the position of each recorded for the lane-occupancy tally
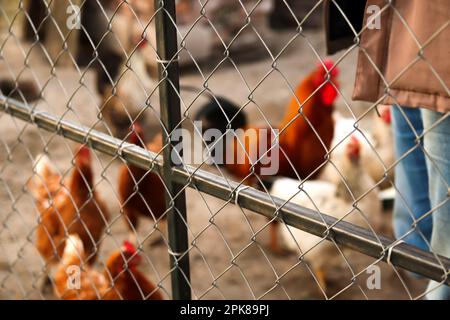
(253, 53)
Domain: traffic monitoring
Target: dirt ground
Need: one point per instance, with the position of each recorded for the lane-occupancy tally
(225, 262)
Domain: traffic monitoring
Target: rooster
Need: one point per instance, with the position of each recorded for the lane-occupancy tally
(88, 284)
(305, 135)
(126, 282)
(84, 212)
(298, 142)
(66, 207)
(305, 148)
(141, 193)
(331, 199)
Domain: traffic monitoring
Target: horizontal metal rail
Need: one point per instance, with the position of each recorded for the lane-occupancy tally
(362, 240)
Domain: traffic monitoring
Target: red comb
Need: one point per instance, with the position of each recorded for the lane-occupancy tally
(84, 152)
(329, 65)
(354, 140)
(142, 43)
(129, 247)
(137, 135)
(137, 127)
(386, 115)
(354, 147)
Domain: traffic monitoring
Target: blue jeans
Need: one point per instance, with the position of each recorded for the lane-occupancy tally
(437, 147)
(422, 183)
(411, 180)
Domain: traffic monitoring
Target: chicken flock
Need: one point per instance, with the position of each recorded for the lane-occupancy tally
(72, 222)
(326, 163)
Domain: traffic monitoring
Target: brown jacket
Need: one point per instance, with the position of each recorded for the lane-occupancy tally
(407, 60)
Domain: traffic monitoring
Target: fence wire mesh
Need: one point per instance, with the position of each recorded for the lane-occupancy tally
(205, 150)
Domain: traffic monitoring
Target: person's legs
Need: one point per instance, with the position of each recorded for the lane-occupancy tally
(411, 180)
(437, 147)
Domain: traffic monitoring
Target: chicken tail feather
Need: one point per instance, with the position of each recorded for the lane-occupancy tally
(46, 179)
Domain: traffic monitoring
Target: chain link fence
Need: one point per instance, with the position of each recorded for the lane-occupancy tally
(200, 150)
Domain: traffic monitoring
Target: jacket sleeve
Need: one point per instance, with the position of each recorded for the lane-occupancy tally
(339, 35)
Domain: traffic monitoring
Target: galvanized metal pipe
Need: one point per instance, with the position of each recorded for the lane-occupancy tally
(167, 48)
(362, 240)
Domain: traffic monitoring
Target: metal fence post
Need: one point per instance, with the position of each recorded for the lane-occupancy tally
(167, 45)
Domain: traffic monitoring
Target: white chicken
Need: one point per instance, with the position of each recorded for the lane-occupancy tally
(384, 146)
(332, 199)
(376, 141)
